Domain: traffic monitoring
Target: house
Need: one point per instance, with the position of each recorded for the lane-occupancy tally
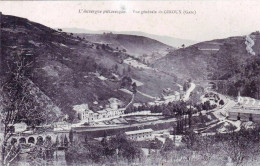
(61, 126)
(103, 114)
(247, 109)
(168, 91)
(140, 135)
(83, 111)
(20, 127)
(115, 103)
(244, 113)
(111, 110)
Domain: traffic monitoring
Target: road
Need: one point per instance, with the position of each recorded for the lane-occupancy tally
(126, 126)
(132, 100)
(146, 95)
(186, 97)
(220, 113)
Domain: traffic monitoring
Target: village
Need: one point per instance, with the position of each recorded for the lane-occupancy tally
(151, 90)
(113, 116)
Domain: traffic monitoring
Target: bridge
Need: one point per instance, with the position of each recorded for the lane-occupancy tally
(210, 84)
(34, 138)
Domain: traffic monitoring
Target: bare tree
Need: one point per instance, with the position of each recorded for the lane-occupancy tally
(15, 100)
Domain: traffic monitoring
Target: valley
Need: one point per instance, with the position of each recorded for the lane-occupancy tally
(59, 88)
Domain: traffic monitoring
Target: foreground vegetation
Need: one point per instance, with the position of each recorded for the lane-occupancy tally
(236, 148)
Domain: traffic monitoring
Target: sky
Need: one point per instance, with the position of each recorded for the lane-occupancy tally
(209, 19)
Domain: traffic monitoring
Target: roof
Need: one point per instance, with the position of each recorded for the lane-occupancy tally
(102, 111)
(81, 107)
(138, 131)
(248, 101)
(245, 111)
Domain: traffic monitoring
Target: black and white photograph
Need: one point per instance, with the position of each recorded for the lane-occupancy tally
(130, 83)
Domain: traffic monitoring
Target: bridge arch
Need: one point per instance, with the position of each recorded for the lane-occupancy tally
(22, 140)
(213, 85)
(13, 141)
(39, 140)
(31, 140)
(48, 138)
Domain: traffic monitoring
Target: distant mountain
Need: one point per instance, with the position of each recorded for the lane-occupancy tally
(171, 41)
(138, 46)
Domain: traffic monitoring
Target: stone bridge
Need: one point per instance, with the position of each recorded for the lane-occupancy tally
(33, 138)
(211, 84)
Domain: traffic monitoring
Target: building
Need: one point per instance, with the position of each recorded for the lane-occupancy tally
(83, 111)
(19, 127)
(115, 103)
(244, 113)
(140, 135)
(106, 113)
(61, 126)
(247, 109)
(112, 110)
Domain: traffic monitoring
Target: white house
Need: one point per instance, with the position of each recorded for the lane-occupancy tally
(111, 110)
(140, 135)
(20, 127)
(83, 111)
(115, 103)
(61, 126)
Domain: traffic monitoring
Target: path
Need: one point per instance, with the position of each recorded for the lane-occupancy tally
(186, 97)
(132, 100)
(249, 44)
(146, 95)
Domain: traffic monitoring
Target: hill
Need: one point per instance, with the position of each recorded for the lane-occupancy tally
(171, 41)
(68, 70)
(138, 46)
(233, 60)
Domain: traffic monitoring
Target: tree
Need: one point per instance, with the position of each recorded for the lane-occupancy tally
(126, 148)
(242, 145)
(116, 67)
(103, 46)
(66, 142)
(189, 138)
(129, 69)
(17, 102)
(134, 86)
(156, 144)
(167, 147)
(124, 71)
(206, 106)
(71, 136)
(57, 142)
(183, 45)
(35, 156)
(221, 102)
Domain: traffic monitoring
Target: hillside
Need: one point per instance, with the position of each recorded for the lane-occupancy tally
(224, 59)
(171, 41)
(68, 70)
(137, 46)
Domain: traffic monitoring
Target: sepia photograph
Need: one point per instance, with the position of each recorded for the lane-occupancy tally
(130, 83)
